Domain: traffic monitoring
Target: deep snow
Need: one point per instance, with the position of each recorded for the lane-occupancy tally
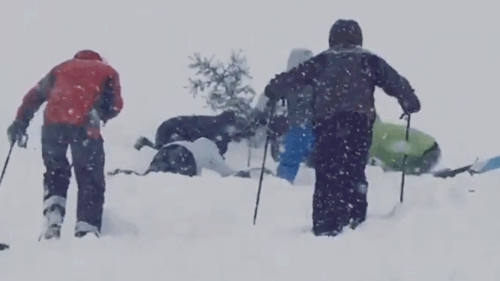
(167, 227)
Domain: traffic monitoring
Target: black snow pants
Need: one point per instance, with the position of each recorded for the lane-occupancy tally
(174, 159)
(342, 144)
(88, 163)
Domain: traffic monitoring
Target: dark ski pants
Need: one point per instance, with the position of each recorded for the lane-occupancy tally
(88, 163)
(342, 145)
(174, 159)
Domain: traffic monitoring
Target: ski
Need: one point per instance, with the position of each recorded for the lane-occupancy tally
(449, 173)
(131, 172)
(126, 172)
(478, 167)
(266, 171)
(485, 166)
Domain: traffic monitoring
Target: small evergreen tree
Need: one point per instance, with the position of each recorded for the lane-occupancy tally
(223, 84)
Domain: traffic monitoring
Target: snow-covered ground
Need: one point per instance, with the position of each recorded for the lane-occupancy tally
(168, 227)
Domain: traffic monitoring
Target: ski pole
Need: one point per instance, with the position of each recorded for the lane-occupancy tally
(22, 142)
(404, 159)
(7, 161)
(263, 164)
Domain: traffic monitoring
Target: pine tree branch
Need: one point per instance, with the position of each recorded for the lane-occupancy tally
(222, 83)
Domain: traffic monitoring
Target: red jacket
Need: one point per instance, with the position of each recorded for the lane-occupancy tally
(81, 91)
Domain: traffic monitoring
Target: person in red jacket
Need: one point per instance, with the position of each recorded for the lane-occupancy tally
(80, 93)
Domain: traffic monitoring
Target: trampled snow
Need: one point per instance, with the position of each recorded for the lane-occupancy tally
(169, 227)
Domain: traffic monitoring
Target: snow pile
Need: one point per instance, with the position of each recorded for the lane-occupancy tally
(170, 227)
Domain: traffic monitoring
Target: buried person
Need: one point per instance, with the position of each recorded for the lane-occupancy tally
(188, 158)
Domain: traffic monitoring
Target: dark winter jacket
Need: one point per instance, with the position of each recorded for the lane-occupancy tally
(344, 77)
(191, 128)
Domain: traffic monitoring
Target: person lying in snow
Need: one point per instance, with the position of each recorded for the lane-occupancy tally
(188, 158)
(220, 129)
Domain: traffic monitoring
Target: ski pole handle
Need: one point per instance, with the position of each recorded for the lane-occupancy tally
(23, 141)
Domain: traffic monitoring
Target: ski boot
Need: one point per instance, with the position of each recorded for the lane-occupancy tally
(84, 228)
(139, 143)
(53, 222)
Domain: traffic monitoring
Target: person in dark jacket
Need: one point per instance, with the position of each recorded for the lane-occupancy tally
(343, 79)
(80, 93)
(219, 129)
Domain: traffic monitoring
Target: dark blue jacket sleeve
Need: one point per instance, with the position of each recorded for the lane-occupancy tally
(296, 78)
(393, 84)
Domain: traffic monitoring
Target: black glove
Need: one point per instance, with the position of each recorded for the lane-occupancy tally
(16, 133)
(410, 106)
(243, 174)
(271, 93)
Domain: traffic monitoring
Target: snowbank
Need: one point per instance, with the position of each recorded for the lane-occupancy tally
(169, 227)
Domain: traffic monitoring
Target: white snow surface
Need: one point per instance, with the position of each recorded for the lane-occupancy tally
(169, 227)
